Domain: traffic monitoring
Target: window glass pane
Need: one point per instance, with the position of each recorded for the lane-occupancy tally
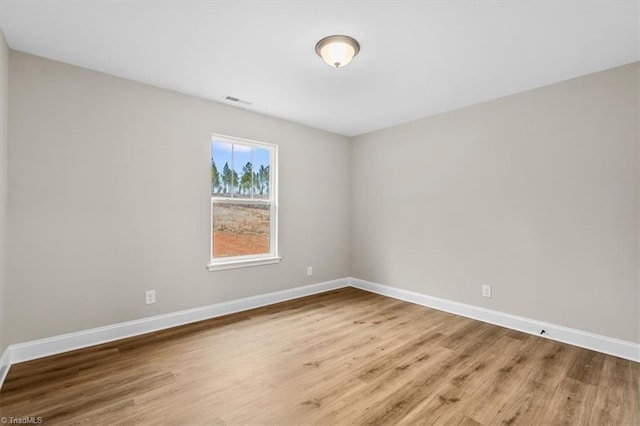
(221, 168)
(240, 229)
(243, 171)
(261, 161)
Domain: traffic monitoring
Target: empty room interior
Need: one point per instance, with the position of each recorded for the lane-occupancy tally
(328, 213)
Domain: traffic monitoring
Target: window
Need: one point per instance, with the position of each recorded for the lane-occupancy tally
(244, 211)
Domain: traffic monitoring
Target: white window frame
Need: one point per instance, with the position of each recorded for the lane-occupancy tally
(233, 262)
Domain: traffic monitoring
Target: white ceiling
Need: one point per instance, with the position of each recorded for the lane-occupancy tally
(417, 58)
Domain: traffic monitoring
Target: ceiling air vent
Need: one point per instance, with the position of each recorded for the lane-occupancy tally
(238, 100)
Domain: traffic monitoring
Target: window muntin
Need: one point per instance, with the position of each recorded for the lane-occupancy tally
(243, 202)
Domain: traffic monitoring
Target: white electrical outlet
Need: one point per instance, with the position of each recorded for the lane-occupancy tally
(486, 290)
(151, 297)
(309, 271)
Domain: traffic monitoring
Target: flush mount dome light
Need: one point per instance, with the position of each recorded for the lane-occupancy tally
(337, 50)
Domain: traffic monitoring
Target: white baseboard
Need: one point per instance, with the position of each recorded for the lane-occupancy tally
(583, 339)
(27, 351)
(68, 342)
(4, 366)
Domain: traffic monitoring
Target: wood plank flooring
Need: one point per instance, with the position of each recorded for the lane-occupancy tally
(342, 357)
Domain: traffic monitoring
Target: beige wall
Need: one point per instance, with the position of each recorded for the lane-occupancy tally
(536, 194)
(110, 197)
(4, 125)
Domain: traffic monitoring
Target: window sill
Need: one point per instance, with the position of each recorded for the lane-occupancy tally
(234, 264)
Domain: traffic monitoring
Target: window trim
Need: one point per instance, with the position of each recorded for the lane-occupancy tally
(259, 259)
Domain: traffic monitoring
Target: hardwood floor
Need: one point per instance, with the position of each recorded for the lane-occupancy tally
(342, 357)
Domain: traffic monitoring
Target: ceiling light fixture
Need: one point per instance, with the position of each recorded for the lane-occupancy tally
(337, 50)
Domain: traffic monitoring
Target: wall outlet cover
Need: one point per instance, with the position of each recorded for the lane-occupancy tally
(486, 290)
